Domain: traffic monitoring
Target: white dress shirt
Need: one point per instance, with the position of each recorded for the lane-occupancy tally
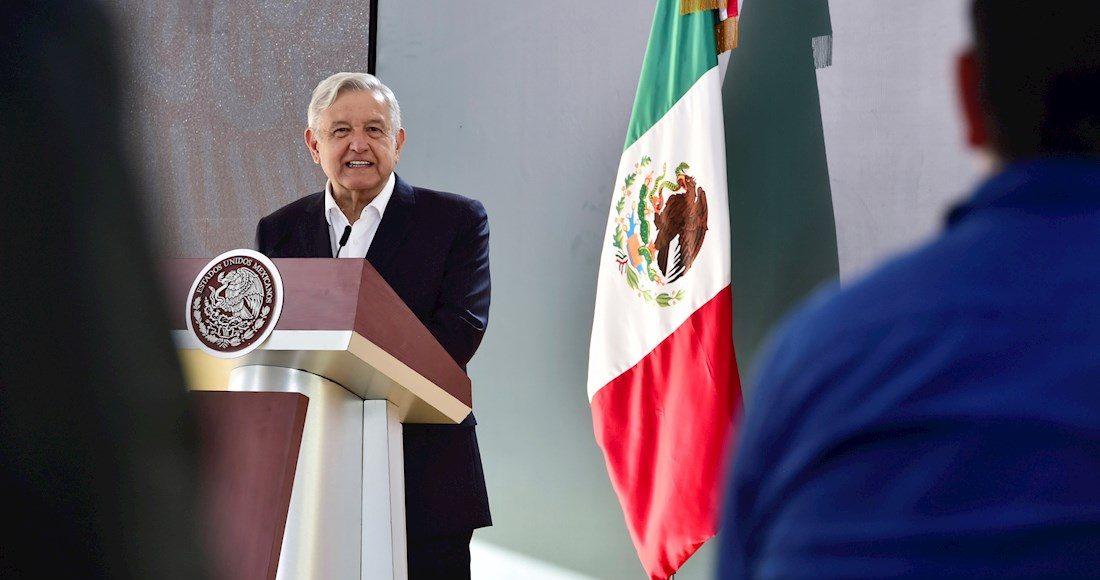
(364, 228)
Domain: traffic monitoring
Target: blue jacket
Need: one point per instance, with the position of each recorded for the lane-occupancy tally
(940, 417)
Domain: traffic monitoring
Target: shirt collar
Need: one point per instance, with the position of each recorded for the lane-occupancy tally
(379, 202)
(1048, 186)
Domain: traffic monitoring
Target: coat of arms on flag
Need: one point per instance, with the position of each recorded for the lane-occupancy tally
(658, 232)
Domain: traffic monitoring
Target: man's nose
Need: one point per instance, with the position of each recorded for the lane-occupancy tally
(359, 141)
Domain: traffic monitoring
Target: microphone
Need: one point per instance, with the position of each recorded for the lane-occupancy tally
(343, 240)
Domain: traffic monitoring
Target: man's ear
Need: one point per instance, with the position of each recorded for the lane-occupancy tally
(400, 141)
(311, 143)
(970, 97)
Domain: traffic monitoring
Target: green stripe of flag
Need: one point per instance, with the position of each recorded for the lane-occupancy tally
(681, 49)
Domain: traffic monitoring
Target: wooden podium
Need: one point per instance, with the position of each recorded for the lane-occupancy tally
(301, 438)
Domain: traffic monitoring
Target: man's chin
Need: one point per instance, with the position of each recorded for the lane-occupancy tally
(358, 187)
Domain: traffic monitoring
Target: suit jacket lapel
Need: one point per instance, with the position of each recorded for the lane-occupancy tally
(313, 230)
(393, 227)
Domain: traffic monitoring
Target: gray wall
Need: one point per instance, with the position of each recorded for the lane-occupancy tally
(897, 156)
(525, 107)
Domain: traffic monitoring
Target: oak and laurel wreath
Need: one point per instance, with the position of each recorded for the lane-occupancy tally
(618, 240)
(227, 330)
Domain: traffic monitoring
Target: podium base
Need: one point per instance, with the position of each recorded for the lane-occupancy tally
(347, 508)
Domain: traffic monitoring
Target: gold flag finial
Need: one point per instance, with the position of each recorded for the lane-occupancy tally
(727, 34)
(692, 6)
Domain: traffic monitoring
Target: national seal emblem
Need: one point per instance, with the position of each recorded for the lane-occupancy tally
(234, 303)
(659, 228)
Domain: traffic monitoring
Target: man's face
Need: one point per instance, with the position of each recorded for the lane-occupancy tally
(355, 145)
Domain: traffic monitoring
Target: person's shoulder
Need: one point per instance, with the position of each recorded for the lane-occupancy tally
(903, 303)
(452, 207)
(839, 355)
(293, 210)
(937, 278)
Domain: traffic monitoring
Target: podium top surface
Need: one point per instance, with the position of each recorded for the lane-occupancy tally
(339, 320)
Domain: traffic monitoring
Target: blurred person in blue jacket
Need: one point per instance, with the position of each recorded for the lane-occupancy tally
(940, 417)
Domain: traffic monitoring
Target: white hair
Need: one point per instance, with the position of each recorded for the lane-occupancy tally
(327, 91)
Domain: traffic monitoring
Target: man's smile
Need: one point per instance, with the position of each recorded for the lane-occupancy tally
(358, 164)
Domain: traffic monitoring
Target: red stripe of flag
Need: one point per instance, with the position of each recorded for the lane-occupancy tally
(664, 426)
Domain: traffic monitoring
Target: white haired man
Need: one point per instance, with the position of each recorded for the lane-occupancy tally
(432, 248)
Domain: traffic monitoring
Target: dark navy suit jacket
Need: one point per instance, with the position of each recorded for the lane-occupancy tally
(432, 248)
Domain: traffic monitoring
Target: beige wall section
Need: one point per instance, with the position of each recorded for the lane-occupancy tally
(221, 92)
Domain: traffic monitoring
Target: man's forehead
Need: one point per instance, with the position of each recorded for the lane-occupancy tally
(357, 105)
(353, 120)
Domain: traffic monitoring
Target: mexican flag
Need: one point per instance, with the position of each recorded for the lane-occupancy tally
(662, 378)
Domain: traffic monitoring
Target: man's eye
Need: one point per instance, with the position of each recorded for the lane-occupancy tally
(374, 130)
(340, 132)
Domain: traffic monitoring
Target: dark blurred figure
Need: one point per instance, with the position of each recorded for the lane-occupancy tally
(97, 463)
(940, 418)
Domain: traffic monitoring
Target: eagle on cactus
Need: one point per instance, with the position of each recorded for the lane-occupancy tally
(658, 234)
(683, 218)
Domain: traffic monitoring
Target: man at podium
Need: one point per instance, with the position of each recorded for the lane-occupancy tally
(432, 248)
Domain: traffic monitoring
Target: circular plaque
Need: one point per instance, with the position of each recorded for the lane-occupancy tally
(234, 303)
